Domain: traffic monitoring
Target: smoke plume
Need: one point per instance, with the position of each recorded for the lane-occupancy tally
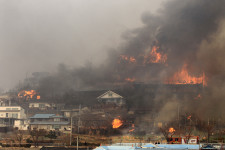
(187, 32)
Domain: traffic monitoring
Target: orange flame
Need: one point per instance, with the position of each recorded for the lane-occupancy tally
(183, 77)
(130, 79)
(117, 123)
(129, 59)
(155, 57)
(28, 94)
(171, 130)
(38, 97)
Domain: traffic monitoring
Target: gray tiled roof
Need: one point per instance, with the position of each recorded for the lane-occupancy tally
(50, 123)
(42, 115)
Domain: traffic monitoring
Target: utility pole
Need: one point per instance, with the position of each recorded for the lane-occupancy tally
(71, 129)
(178, 116)
(78, 127)
(78, 123)
(77, 142)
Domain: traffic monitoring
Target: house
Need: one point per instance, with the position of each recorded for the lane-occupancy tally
(40, 105)
(12, 116)
(111, 97)
(70, 112)
(49, 122)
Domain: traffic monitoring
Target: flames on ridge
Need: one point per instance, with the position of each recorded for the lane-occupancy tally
(116, 123)
(28, 94)
(155, 56)
(183, 77)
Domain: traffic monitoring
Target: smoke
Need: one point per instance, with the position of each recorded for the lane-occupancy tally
(189, 32)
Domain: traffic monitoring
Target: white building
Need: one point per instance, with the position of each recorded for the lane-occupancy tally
(49, 122)
(13, 116)
(40, 105)
(15, 112)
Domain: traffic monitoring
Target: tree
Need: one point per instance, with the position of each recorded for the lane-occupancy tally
(19, 134)
(52, 135)
(188, 131)
(209, 129)
(164, 130)
(35, 134)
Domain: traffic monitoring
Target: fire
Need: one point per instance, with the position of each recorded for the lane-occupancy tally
(183, 77)
(155, 56)
(116, 123)
(171, 130)
(129, 59)
(130, 79)
(38, 97)
(28, 94)
(189, 117)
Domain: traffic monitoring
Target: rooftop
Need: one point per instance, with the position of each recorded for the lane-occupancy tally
(36, 116)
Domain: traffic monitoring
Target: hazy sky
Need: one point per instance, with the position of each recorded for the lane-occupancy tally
(37, 35)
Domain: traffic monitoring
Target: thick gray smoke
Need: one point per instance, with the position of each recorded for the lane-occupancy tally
(189, 32)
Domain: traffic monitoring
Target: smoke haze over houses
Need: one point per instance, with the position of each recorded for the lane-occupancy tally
(38, 35)
(85, 40)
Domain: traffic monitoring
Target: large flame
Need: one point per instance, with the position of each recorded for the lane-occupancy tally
(183, 77)
(155, 57)
(28, 94)
(171, 130)
(116, 123)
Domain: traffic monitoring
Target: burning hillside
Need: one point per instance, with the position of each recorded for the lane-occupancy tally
(32, 94)
(178, 46)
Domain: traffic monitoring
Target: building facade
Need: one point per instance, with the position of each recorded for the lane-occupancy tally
(49, 122)
(111, 97)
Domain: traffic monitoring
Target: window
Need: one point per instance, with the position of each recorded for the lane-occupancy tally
(8, 108)
(6, 115)
(56, 126)
(56, 119)
(14, 115)
(42, 105)
(15, 109)
(110, 94)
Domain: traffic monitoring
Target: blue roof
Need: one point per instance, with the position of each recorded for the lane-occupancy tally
(42, 116)
(150, 146)
(179, 146)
